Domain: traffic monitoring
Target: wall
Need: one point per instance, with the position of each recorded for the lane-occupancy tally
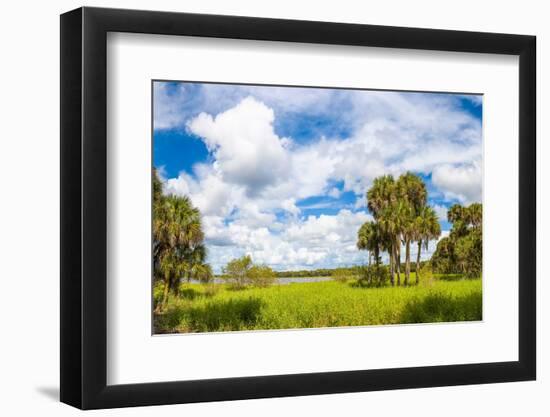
(30, 206)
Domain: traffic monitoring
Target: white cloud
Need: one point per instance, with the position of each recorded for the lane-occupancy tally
(167, 105)
(208, 192)
(441, 212)
(303, 243)
(290, 205)
(344, 225)
(245, 147)
(461, 182)
(334, 193)
(476, 99)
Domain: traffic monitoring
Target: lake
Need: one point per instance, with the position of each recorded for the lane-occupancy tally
(282, 280)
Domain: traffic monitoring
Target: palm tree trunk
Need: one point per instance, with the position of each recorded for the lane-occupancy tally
(376, 259)
(398, 262)
(177, 282)
(418, 261)
(391, 252)
(407, 261)
(162, 305)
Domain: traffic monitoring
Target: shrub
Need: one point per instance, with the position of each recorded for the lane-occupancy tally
(261, 276)
(211, 289)
(340, 275)
(236, 272)
(426, 275)
(242, 272)
(374, 275)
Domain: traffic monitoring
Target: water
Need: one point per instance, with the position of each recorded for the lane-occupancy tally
(282, 280)
(290, 280)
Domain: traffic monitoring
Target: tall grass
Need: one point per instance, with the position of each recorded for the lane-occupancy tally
(317, 304)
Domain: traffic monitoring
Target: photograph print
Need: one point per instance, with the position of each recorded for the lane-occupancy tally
(284, 207)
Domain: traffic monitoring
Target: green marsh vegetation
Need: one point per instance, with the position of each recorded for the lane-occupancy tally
(317, 304)
(188, 297)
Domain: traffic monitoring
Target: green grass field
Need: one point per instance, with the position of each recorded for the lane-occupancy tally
(319, 304)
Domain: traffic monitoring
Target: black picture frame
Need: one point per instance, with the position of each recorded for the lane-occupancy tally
(84, 207)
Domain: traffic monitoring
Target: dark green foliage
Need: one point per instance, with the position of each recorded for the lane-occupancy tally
(468, 250)
(462, 251)
(157, 188)
(232, 314)
(444, 258)
(440, 307)
(374, 275)
(178, 249)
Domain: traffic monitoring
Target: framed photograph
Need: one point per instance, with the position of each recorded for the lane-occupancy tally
(258, 208)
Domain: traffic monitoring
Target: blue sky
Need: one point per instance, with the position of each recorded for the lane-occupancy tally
(280, 173)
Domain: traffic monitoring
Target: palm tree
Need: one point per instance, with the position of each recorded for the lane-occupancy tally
(475, 214)
(367, 240)
(177, 242)
(157, 188)
(369, 237)
(392, 222)
(400, 210)
(412, 190)
(427, 228)
(408, 233)
(455, 213)
(462, 251)
(380, 197)
(201, 272)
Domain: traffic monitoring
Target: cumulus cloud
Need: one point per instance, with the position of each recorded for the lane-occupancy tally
(461, 182)
(246, 149)
(441, 211)
(302, 243)
(168, 102)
